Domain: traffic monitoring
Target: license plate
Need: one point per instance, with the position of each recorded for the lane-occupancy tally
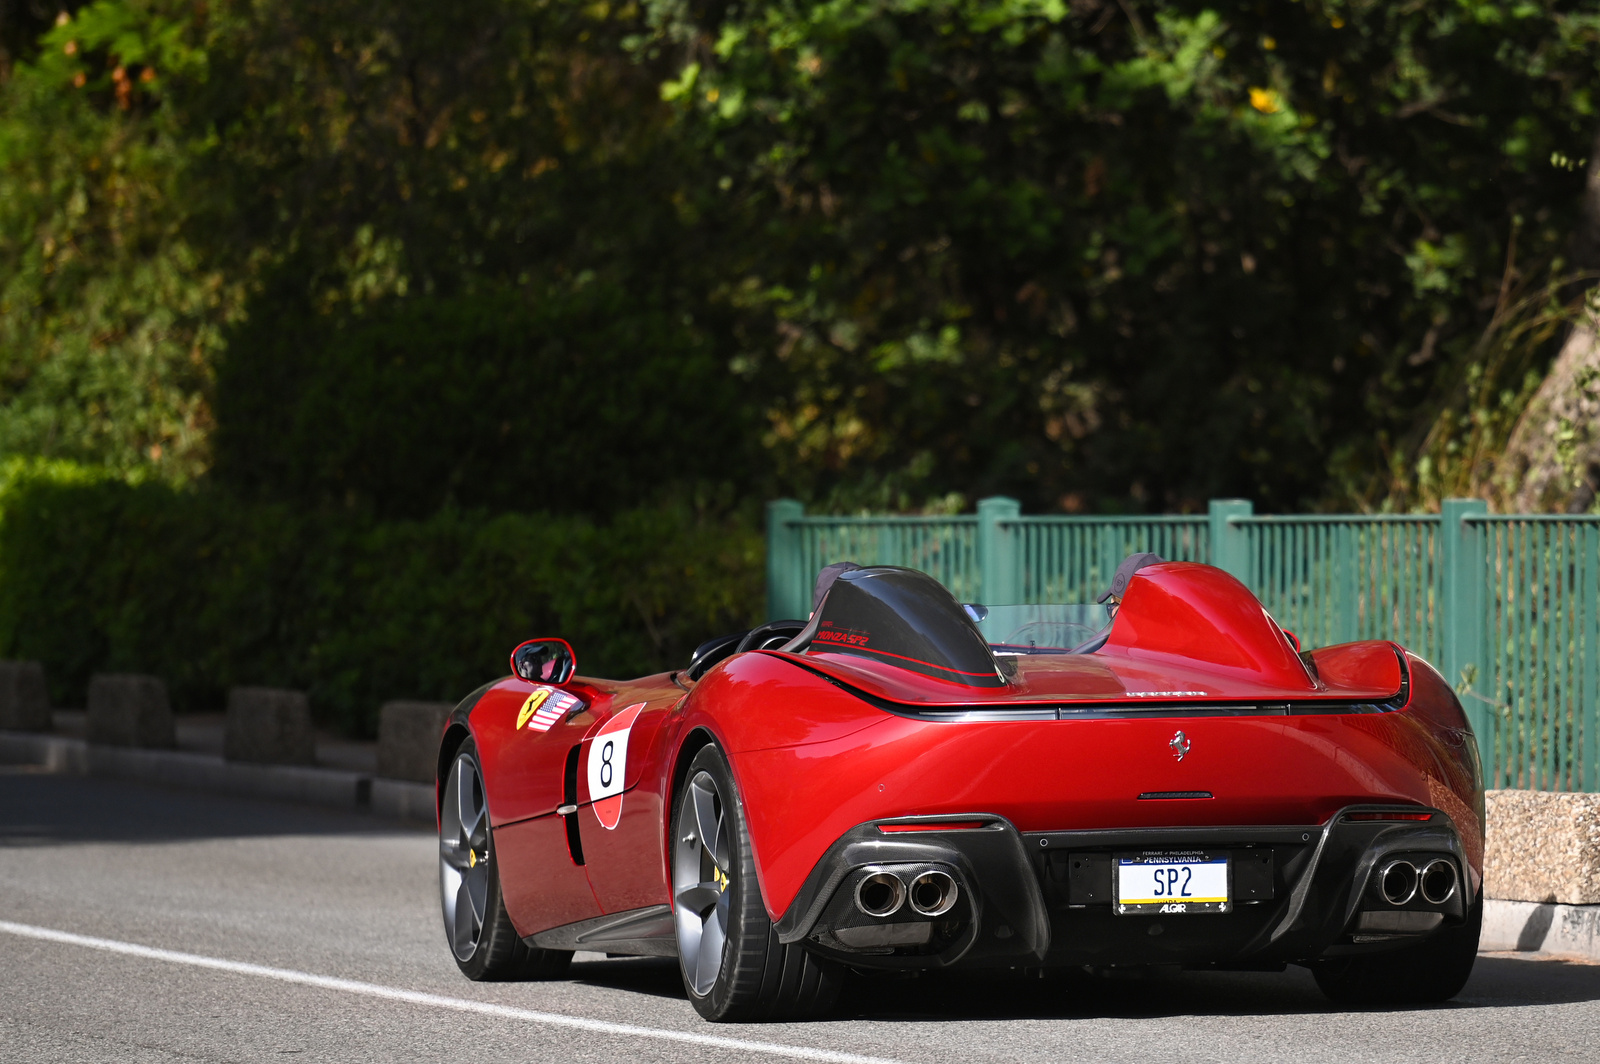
(1172, 883)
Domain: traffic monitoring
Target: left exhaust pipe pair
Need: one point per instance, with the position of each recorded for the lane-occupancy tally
(1401, 881)
(931, 893)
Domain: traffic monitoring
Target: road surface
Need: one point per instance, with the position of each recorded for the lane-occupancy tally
(144, 924)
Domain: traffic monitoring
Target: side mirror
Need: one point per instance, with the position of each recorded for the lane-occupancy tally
(544, 661)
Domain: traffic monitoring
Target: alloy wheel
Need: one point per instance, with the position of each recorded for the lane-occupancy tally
(702, 881)
(464, 857)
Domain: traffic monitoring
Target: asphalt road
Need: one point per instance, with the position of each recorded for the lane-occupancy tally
(201, 928)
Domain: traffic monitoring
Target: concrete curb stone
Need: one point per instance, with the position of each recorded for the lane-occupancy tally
(24, 698)
(408, 739)
(1542, 846)
(126, 709)
(269, 725)
(1541, 927)
(394, 799)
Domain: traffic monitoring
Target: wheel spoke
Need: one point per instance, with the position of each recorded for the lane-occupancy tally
(708, 958)
(690, 928)
(449, 887)
(706, 821)
(455, 855)
(477, 884)
(470, 806)
(466, 924)
(722, 851)
(698, 897)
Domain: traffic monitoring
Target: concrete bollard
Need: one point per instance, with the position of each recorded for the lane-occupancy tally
(126, 709)
(24, 699)
(268, 725)
(408, 739)
(1542, 846)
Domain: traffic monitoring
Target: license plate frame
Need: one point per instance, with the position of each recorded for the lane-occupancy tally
(1188, 886)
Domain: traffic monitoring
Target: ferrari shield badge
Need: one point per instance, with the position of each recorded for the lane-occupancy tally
(608, 765)
(1180, 745)
(544, 708)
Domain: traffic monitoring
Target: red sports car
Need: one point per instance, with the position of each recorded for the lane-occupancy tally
(906, 782)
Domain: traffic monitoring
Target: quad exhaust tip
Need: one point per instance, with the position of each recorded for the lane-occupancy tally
(883, 893)
(1398, 882)
(934, 893)
(1438, 881)
(880, 894)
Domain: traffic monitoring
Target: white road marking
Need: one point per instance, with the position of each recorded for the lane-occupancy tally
(415, 997)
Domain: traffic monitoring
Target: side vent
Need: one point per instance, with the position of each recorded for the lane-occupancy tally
(569, 801)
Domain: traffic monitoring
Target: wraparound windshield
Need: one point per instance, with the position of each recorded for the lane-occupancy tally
(1054, 628)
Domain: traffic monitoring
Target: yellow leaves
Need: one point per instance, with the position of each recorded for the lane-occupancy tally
(712, 95)
(70, 48)
(1267, 101)
(1269, 44)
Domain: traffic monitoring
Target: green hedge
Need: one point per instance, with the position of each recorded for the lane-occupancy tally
(208, 591)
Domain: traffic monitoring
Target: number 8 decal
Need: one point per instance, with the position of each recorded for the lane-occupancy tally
(608, 766)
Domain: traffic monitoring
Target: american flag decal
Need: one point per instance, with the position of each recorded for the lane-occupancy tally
(546, 707)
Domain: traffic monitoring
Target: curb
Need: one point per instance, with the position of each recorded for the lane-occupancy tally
(1541, 927)
(395, 799)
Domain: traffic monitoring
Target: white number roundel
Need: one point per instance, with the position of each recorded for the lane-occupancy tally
(608, 765)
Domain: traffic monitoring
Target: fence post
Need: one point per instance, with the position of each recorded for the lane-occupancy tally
(785, 593)
(1230, 547)
(999, 564)
(1461, 642)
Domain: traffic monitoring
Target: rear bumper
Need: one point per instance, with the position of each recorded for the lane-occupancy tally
(1045, 898)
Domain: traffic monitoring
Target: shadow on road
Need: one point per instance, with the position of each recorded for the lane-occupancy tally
(1498, 981)
(39, 808)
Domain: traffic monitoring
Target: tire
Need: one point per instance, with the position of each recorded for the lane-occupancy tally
(1427, 973)
(476, 925)
(734, 968)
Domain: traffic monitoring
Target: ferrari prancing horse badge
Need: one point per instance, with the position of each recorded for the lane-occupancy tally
(544, 708)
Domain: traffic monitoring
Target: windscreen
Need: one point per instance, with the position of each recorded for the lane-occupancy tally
(1053, 628)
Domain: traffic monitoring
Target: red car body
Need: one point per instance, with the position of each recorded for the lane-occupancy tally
(1198, 725)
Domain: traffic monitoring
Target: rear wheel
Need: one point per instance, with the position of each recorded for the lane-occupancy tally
(485, 944)
(1432, 971)
(734, 967)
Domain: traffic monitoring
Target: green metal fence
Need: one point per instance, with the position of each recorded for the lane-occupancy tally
(1506, 606)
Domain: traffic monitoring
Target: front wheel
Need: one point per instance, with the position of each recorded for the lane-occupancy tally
(1427, 973)
(734, 967)
(483, 941)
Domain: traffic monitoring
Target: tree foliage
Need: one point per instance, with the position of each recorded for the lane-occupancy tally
(1097, 255)
(1103, 254)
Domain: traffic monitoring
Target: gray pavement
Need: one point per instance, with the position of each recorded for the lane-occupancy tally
(259, 905)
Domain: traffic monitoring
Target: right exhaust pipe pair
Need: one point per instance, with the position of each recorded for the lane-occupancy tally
(930, 893)
(1401, 881)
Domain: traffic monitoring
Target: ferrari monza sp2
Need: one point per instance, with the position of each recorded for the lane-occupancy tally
(903, 782)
